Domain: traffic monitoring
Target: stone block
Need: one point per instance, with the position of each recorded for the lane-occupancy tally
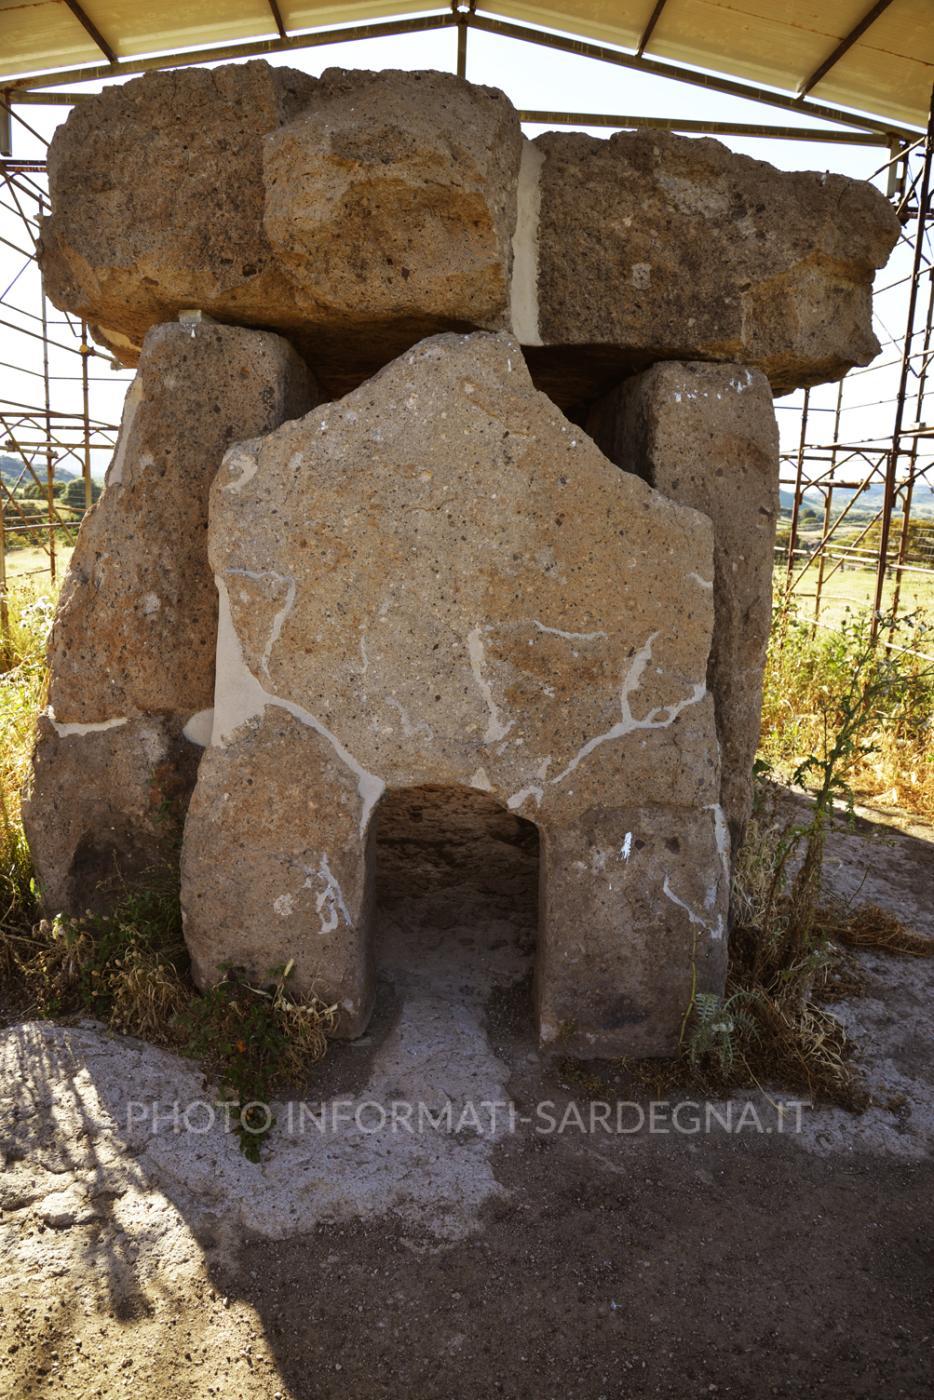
(132, 648)
(391, 204)
(705, 435)
(440, 580)
(653, 247)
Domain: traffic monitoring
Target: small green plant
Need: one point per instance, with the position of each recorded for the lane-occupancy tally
(256, 1039)
(839, 703)
(719, 1025)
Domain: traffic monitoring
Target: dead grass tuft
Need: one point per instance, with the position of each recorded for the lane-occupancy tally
(872, 927)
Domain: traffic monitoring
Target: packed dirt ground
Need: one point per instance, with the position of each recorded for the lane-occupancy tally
(782, 1258)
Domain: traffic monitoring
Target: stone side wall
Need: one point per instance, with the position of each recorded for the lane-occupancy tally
(706, 435)
(131, 655)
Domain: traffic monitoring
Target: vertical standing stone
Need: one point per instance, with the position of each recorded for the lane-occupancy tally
(706, 436)
(440, 580)
(132, 650)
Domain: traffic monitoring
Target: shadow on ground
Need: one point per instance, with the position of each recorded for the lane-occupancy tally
(473, 1259)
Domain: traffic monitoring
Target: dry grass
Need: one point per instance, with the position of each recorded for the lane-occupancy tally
(28, 616)
(807, 669)
(873, 928)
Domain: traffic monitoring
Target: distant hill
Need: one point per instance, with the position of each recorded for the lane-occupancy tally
(11, 469)
(874, 495)
(870, 500)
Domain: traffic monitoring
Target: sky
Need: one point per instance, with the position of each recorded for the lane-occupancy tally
(534, 79)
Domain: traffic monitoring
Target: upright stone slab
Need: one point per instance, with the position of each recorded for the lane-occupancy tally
(132, 650)
(706, 436)
(656, 247)
(157, 201)
(440, 580)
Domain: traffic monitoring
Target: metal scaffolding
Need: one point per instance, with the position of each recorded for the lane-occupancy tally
(861, 491)
(858, 525)
(42, 436)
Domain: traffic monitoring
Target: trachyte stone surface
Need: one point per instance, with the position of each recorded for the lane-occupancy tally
(104, 808)
(131, 654)
(391, 204)
(157, 197)
(706, 436)
(653, 246)
(440, 580)
(361, 211)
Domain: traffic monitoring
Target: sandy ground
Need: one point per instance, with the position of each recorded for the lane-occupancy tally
(489, 1254)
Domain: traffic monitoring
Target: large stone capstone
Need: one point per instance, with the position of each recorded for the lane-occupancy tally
(439, 580)
(361, 211)
(157, 196)
(391, 205)
(131, 654)
(653, 246)
(706, 435)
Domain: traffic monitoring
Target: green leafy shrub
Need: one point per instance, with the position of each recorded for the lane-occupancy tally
(835, 696)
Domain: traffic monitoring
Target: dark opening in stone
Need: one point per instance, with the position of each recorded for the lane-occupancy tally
(456, 891)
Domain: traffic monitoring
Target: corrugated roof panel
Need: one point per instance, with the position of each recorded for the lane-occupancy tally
(604, 20)
(135, 27)
(308, 14)
(40, 35)
(892, 65)
(763, 40)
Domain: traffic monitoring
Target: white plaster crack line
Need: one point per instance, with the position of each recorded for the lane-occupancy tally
(76, 729)
(715, 930)
(568, 636)
(239, 697)
(495, 730)
(627, 724)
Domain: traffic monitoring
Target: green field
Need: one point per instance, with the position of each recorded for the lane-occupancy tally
(854, 587)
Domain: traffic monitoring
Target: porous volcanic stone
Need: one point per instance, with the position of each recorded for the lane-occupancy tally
(653, 246)
(706, 436)
(440, 580)
(391, 203)
(104, 808)
(361, 211)
(157, 198)
(135, 633)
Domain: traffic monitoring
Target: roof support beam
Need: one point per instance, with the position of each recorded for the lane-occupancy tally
(846, 43)
(649, 29)
(277, 16)
(91, 28)
(419, 24)
(711, 128)
(713, 81)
